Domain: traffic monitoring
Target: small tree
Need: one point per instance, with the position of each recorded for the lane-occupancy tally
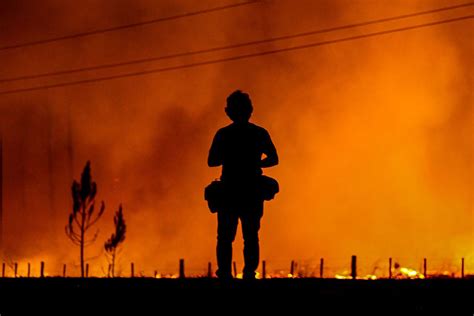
(116, 239)
(83, 214)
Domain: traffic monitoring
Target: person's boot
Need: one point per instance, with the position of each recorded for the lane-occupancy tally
(225, 276)
(249, 276)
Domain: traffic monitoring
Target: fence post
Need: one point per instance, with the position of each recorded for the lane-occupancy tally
(64, 270)
(235, 269)
(209, 270)
(354, 267)
(321, 268)
(292, 269)
(389, 268)
(16, 269)
(42, 269)
(462, 268)
(29, 269)
(87, 270)
(181, 269)
(424, 268)
(132, 270)
(3, 270)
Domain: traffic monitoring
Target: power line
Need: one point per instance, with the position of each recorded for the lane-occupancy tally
(238, 57)
(219, 48)
(127, 26)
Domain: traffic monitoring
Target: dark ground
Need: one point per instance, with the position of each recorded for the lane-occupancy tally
(316, 296)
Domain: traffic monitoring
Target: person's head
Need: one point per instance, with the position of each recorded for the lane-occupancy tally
(239, 107)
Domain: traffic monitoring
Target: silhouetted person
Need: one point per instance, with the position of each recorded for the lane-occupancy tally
(240, 148)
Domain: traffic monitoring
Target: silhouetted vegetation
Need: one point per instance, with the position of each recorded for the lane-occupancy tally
(84, 214)
(112, 244)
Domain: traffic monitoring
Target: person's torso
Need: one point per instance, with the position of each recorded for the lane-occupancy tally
(241, 152)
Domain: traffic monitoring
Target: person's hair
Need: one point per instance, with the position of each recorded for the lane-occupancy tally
(239, 106)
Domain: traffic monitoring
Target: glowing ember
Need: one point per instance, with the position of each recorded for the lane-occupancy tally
(409, 273)
(348, 277)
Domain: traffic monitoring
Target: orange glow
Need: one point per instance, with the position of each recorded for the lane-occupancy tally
(375, 136)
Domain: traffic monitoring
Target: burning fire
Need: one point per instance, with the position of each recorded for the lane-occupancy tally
(407, 273)
(395, 135)
(346, 276)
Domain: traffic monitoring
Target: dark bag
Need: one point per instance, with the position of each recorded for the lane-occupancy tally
(217, 193)
(267, 188)
(214, 194)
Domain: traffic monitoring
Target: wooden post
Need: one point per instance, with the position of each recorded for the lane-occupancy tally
(389, 268)
(42, 269)
(29, 270)
(181, 269)
(64, 270)
(462, 268)
(235, 269)
(209, 270)
(321, 268)
(264, 269)
(354, 267)
(3, 270)
(132, 270)
(87, 270)
(424, 268)
(15, 269)
(155, 274)
(292, 268)
(296, 268)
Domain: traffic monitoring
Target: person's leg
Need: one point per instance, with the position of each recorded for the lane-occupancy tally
(227, 223)
(250, 227)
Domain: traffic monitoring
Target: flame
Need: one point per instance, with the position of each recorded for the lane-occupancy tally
(342, 277)
(409, 274)
(348, 277)
(166, 276)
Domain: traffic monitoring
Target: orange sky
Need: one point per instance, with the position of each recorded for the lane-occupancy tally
(375, 136)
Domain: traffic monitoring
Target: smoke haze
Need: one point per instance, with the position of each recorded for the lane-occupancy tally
(375, 136)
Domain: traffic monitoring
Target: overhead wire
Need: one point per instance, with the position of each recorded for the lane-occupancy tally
(231, 46)
(126, 26)
(237, 57)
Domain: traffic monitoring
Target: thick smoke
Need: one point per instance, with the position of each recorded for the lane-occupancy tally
(374, 136)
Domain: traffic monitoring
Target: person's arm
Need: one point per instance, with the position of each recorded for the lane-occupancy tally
(215, 153)
(270, 152)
